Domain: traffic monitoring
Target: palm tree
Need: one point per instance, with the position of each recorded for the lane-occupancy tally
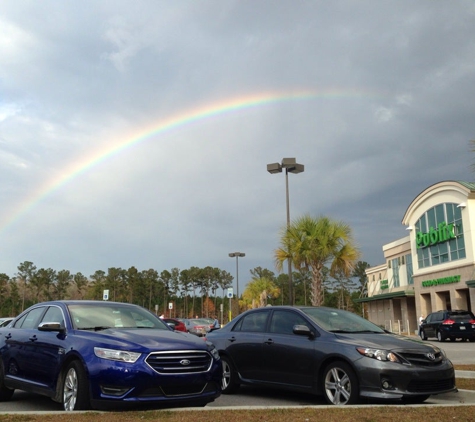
(311, 243)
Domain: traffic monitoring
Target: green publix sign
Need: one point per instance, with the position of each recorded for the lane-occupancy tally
(443, 233)
(439, 281)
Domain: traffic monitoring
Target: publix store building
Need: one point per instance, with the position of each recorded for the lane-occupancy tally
(431, 269)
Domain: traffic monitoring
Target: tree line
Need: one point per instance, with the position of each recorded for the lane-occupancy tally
(325, 259)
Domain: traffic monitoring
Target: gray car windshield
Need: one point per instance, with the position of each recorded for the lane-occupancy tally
(100, 317)
(339, 321)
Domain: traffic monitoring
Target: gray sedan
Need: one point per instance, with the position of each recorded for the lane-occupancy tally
(329, 352)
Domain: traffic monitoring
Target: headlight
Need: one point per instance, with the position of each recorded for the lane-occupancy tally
(120, 355)
(378, 354)
(212, 349)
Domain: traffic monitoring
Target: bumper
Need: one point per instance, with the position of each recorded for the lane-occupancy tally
(396, 381)
(117, 383)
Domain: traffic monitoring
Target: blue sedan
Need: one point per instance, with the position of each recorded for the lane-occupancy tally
(93, 354)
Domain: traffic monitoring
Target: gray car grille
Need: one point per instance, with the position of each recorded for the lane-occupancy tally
(180, 362)
(422, 359)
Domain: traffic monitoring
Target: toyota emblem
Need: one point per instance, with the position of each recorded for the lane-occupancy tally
(431, 356)
(186, 362)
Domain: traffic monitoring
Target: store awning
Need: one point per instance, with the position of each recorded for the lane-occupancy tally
(402, 293)
(470, 283)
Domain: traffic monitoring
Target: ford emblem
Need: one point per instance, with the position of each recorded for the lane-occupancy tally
(431, 356)
(186, 362)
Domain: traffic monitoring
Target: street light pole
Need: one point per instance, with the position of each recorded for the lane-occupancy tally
(237, 255)
(291, 166)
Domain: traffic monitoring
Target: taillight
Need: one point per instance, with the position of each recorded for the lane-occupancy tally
(448, 322)
(472, 321)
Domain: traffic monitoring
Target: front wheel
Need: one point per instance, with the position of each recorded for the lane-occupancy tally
(229, 383)
(423, 335)
(340, 384)
(75, 388)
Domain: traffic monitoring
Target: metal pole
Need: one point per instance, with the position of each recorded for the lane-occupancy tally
(289, 261)
(237, 278)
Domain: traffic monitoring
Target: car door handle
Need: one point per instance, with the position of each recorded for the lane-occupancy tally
(269, 341)
(232, 339)
(8, 336)
(33, 338)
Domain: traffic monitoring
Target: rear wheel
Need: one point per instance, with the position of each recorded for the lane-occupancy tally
(440, 337)
(5, 392)
(229, 383)
(340, 384)
(75, 388)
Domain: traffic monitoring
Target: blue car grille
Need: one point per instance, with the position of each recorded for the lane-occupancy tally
(180, 362)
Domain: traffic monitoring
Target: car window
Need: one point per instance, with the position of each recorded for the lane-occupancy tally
(86, 317)
(253, 322)
(54, 314)
(283, 322)
(459, 316)
(31, 319)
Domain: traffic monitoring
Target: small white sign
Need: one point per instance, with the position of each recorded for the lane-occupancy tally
(230, 293)
(105, 295)
(170, 305)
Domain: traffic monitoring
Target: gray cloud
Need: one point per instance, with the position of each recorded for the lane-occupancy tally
(392, 113)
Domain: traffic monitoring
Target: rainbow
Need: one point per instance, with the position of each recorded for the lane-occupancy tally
(83, 165)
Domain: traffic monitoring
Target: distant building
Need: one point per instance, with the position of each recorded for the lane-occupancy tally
(431, 269)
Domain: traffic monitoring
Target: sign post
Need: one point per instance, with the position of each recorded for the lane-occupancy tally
(230, 296)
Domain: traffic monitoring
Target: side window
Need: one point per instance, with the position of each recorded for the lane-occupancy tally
(54, 314)
(32, 319)
(255, 322)
(283, 322)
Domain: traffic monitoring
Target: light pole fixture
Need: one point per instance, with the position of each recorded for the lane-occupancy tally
(291, 166)
(237, 255)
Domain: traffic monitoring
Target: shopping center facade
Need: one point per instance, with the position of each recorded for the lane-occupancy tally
(433, 267)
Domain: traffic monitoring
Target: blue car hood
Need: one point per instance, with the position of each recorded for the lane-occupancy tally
(147, 338)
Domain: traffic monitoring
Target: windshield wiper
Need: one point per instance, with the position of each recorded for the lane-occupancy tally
(98, 328)
(355, 332)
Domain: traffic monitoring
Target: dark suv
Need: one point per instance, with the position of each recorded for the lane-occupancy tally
(448, 324)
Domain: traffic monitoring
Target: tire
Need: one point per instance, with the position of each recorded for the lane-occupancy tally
(423, 335)
(75, 388)
(415, 399)
(340, 384)
(5, 392)
(229, 383)
(440, 337)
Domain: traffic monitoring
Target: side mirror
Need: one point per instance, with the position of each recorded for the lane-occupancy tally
(303, 330)
(51, 327)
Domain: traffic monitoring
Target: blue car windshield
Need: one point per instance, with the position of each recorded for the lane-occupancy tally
(103, 316)
(339, 321)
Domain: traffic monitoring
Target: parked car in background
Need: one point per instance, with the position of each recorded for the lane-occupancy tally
(175, 324)
(448, 325)
(99, 354)
(328, 352)
(197, 326)
(5, 321)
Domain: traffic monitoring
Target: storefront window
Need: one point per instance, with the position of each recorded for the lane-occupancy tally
(396, 272)
(440, 234)
(409, 271)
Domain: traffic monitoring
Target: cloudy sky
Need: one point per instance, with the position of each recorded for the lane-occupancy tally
(138, 133)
